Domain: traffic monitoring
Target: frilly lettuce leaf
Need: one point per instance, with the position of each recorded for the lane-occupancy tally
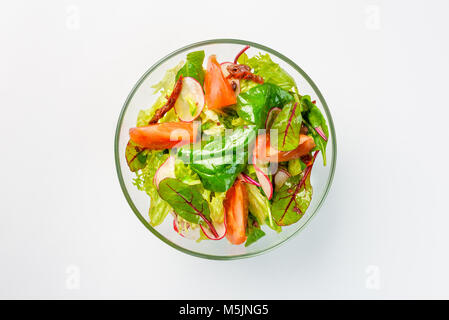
(164, 87)
(184, 174)
(144, 182)
(259, 206)
(215, 200)
(211, 124)
(246, 85)
(270, 71)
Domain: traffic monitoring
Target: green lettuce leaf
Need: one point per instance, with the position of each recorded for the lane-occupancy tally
(215, 200)
(211, 124)
(253, 231)
(291, 201)
(270, 71)
(144, 182)
(164, 88)
(259, 206)
(219, 160)
(186, 200)
(193, 67)
(246, 85)
(136, 157)
(166, 85)
(253, 105)
(313, 118)
(288, 123)
(296, 166)
(184, 173)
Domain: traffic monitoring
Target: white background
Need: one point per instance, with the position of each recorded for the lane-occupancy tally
(66, 69)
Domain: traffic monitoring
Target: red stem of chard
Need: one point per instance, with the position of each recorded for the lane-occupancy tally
(303, 181)
(198, 212)
(240, 53)
(249, 180)
(321, 133)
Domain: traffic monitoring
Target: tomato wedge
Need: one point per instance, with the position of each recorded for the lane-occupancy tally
(217, 89)
(166, 135)
(264, 152)
(236, 210)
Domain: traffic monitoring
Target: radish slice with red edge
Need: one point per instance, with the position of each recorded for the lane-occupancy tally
(184, 229)
(166, 170)
(272, 114)
(190, 102)
(220, 228)
(265, 182)
(175, 226)
(279, 179)
(263, 178)
(224, 70)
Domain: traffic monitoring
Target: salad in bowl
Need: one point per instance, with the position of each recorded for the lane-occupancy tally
(226, 150)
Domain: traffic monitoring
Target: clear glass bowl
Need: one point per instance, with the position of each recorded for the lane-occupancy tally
(142, 97)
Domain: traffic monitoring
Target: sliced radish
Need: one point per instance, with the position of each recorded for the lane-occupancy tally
(280, 178)
(166, 170)
(262, 176)
(235, 83)
(219, 227)
(265, 182)
(184, 228)
(272, 114)
(224, 68)
(190, 102)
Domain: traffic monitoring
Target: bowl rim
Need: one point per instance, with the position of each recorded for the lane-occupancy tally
(196, 45)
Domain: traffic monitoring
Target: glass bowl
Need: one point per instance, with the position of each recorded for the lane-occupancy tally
(142, 97)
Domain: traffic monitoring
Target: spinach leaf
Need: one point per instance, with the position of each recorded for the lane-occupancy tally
(253, 231)
(313, 118)
(292, 200)
(219, 160)
(254, 235)
(193, 67)
(136, 156)
(186, 200)
(254, 104)
(288, 123)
